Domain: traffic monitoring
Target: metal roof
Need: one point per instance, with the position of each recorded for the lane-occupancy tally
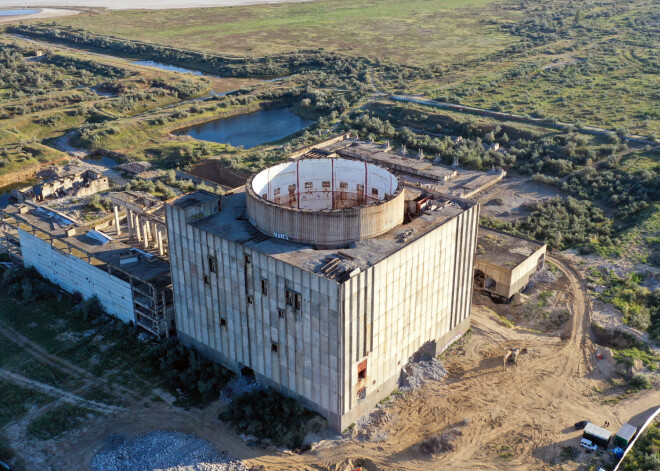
(597, 431)
(626, 432)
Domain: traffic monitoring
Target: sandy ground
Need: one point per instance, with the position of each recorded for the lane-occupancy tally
(146, 5)
(45, 13)
(518, 418)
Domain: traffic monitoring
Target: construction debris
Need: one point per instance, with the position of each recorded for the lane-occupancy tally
(418, 373)
(443, 443)
(369, 427)
(163, 451)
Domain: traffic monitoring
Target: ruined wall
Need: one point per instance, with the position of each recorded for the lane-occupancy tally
(419, 297)
(73, 274)
(226, 315)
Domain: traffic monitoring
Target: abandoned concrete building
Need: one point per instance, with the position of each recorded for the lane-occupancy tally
(323, 277)
(131, 284)
(505, 263)
(76, 184)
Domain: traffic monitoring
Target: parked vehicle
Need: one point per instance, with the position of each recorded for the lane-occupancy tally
(581, 424)
(588, 444)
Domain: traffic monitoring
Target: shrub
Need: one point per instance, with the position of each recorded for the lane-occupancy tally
(640, 381)
(266, 414)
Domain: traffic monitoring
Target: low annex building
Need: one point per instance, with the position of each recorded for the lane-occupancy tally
(323, 277)
(131, 284)
(75, 184)
(505, 263)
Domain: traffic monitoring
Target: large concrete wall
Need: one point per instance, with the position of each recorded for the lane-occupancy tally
(306, 364)
(418, 297)
(74, 274)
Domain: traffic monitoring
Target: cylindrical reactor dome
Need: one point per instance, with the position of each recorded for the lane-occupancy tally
(326, 202)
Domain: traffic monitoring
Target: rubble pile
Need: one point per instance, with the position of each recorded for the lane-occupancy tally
(369, 428)
(544, 276)
(163, 451)
(419, 372)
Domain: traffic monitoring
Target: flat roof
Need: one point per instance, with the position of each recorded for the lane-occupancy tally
(231, 223)
(502, 249)
(51, 222)
(626, 432)
(596, 431)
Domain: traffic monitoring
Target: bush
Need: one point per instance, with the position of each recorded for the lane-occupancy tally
(640, 381)
(266, 414)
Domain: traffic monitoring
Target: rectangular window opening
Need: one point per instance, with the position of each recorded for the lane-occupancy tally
(289, 297)
(292, 189)
(297, 302)
(309, 185)
(362, 370)
(274, 347)
(250, 300)
(247, 259)
(374, 191)
(325, 184)
(343, 185)
(276, 191)
(264, 287)
(223, 322)
(213, 265)
(207, 280)
(281, 314)
(360, 188)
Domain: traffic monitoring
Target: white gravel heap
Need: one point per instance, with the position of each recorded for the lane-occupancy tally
(420, 372)
(163, 451)
(369, 427)
(544, 276)
(238, 386)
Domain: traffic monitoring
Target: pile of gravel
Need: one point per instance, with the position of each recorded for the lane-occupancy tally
(369, 427)
(419, 372)
(163, 451)
(544, 276)
(443, 443)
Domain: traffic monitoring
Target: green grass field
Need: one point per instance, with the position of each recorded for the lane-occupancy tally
(415, 31)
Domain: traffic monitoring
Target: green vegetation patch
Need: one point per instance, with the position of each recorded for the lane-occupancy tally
(268, 415)
(16, 400)
(56, 421)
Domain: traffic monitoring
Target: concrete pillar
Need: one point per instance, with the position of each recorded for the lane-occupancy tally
(136, 221)
(129, 222)
(117, 219)
(144, 234)
(160, 243)
(147, 234)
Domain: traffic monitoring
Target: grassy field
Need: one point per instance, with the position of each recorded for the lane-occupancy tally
(594, 63)
(439, 31)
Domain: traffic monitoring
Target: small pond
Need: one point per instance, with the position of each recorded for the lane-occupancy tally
(18, 12)
(250, 129)
(168, 67)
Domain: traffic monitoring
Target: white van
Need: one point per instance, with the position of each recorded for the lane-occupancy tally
(588, 444)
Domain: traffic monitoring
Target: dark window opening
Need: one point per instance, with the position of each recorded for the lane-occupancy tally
(223, 322)
(213, 265)
(298, 302)
(247, 259)
(207, 281)
(325, 184)
(250, 300)
(292, 189)
(362, 370)
(360, 188)
(273, 347)
(343, 185)
(374, 191)
(289, 297)
(276, 191)
(281, 313)
(264, 287)
(309, 185)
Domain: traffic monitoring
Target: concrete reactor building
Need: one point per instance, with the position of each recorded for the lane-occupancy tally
(323, 277)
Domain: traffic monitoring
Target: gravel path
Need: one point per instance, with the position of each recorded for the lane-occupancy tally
(163, 451)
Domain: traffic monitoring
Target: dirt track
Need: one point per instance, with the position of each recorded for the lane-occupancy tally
(518, 418)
